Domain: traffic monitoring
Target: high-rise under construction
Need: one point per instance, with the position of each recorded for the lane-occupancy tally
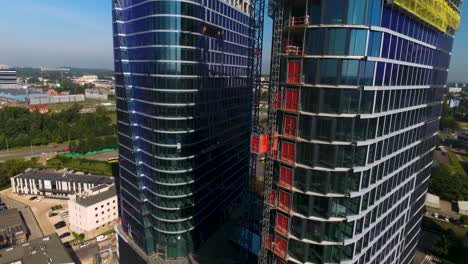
(357, 88)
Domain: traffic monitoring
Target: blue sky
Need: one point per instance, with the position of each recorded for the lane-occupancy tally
(79, 34)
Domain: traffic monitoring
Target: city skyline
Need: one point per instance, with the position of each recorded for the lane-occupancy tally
(59, 38)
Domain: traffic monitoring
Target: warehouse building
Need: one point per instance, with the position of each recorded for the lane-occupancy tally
(8, 79)
(45, 250)
(12, 228)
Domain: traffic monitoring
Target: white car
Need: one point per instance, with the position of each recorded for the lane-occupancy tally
(85, 244)
(101, 238)
(65, 214)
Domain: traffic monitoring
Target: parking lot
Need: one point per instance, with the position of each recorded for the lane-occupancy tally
(56, 217)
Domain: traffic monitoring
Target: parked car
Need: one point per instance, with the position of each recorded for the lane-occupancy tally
(60, 225)
(33, 198)
(53, 214)
(64, 235)
(85, 244)
(3, 207)
(436, 215)
(101, 238)
(65, 214)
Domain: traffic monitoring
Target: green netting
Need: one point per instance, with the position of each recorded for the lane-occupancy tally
(77, 155)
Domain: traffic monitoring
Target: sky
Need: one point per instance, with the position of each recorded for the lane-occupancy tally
(73, 33)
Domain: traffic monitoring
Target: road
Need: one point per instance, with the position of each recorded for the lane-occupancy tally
(29, 152)
(28, 216)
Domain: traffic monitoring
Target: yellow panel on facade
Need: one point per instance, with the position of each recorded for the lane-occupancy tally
(438, 13)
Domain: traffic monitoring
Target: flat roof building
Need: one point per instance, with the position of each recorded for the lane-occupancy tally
(432, 201)
(46, 250)
(463, 207)
(56, 184)
(94, 209)
(12, 228)
(8, 79)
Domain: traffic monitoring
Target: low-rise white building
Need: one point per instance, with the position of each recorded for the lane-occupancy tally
(432, 201)
(96, 94)
(93, 210)
(86, 79)
(463, 207)
(455, 90)
(55, 184)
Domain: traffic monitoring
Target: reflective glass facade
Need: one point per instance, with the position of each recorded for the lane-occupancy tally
(183, 90)
(361, 87)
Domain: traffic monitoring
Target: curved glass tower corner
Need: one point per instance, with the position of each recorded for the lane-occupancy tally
(183, 93)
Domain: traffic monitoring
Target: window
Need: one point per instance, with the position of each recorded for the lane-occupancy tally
(280, 246)
(284, 200)
(290, 126)
(294, 72)
(292, 98)
(287, 152)
(285, 176)
(282, 224)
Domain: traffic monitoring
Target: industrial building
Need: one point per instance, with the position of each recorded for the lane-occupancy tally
(44, 250)
(357, 90)
(13, 230)
(55, 184)
(56, 99)
(93, 210)
(96, 94)
(184, 91)
(8, 79)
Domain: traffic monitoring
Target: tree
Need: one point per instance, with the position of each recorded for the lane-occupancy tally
(22, 128)
(13, 167)
(448, 184)
(449, 248)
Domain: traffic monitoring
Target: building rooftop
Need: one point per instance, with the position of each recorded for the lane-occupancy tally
(463, 205)
(47, 250)
(91, 199)
(11, 223)
(432, 200)
(52, 175)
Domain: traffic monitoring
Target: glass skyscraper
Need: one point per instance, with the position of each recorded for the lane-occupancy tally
(184, 91)
(361, 83)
